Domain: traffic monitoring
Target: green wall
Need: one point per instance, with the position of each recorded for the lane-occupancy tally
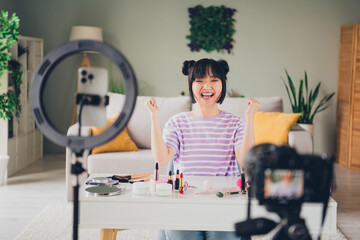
(270, 36)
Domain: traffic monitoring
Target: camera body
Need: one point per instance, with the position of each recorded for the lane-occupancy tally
(280, 176)
(282, 180)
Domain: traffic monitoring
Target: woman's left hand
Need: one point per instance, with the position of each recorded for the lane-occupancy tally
(253, 107)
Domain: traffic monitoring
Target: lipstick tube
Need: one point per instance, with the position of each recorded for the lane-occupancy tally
(243, 182)
(177, 180)
(170, 181)
(181, 185)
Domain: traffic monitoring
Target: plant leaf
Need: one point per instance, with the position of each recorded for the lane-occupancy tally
(315, 94)
(306, 86)
(330, 96)
(320, 107)
(288, 92)
(301, 107)
(293, 90)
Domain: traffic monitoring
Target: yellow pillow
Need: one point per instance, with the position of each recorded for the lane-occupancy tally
(121, 142)
(273, 127)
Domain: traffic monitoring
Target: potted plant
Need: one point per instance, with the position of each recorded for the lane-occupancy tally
(306, 104)
(9, 101)
(8, 36)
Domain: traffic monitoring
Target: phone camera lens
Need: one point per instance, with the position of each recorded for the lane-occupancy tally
(83, 80)
(83, 72)
(91, 76)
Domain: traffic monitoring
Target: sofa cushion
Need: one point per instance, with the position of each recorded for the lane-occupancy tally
(139, 126)
(124, 163)
(122, 142)
(273, 127)
(238, 106)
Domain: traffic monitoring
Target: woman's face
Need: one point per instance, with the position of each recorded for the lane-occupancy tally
(207, 90)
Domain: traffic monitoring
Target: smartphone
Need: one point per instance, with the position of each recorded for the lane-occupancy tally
(94, 81)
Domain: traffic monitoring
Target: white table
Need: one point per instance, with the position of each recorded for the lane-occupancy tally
(185, 211)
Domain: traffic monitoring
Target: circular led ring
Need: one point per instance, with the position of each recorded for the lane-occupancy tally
(78, 143)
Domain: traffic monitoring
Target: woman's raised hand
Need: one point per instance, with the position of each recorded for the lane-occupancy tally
(152, 107)
(253, 107)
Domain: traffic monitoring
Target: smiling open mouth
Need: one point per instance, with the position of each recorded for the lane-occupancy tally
(207, 95)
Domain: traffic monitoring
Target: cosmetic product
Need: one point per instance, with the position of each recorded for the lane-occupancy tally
(163, 189)
(228, 189)
(170, 181)
(208, 185)
(177, 180)
(141, 180)
(102, 181)
(181, 184)
(152, 186)
(140, 188)
(243, 182)
(105, 190)
(220, 194)
(128, 178)
(238, 183)
(156, 171)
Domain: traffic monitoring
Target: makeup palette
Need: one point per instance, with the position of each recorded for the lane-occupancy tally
(102, 181)
(105, 190)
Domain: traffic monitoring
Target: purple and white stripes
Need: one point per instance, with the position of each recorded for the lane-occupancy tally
(205, 146)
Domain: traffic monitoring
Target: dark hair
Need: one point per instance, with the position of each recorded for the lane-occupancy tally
(201, 69)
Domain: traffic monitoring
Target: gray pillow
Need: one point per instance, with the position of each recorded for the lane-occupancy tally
(238, 106)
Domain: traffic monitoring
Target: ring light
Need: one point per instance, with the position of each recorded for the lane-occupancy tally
(78, 143)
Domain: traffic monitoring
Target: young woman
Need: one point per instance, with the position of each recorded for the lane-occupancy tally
(205, 141)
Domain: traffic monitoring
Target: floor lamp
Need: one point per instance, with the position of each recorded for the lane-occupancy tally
(84, 33)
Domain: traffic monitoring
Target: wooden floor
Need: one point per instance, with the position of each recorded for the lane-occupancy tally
(27, 193)
(347, 195)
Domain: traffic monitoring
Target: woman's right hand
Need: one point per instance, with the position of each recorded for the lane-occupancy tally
(152, 107)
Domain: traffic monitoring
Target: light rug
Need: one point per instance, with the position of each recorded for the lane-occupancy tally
(55, 223)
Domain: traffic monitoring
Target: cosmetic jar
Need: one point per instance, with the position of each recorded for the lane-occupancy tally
(164, 189)
(208, 185)
(140, 188)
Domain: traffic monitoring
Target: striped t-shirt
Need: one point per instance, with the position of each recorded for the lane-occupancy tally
(205, 146)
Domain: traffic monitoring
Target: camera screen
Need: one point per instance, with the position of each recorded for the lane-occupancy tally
(283, 183)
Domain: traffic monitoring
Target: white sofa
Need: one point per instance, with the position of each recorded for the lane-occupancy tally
(139, 131)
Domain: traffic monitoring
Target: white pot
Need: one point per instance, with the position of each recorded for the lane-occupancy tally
(307, 127)
(3, 168)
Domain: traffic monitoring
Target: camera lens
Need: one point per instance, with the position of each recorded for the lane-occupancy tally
(83, 80)
(91, 76)
(83, 72)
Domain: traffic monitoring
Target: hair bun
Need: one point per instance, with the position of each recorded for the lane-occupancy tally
(224, 65)
(187, 66)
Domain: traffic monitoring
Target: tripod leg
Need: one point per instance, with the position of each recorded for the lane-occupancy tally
(281, 234)
(76, 170)
(299, 230)
(76, 212)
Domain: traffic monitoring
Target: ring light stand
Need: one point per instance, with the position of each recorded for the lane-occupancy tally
(77, 144)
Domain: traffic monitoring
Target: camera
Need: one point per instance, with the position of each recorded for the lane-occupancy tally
(281, 180)
(280, 176)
